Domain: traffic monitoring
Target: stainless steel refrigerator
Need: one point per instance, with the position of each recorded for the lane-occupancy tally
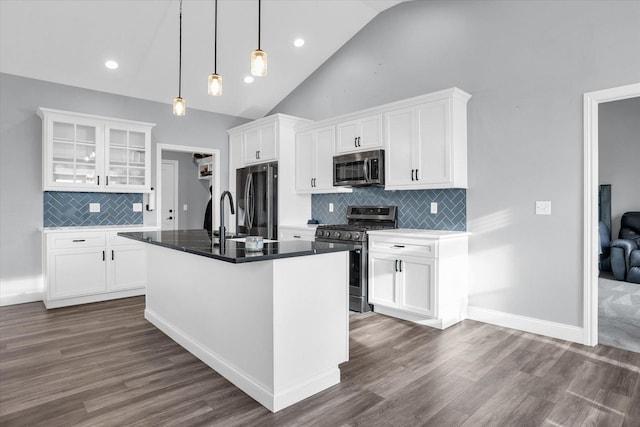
(257, 200)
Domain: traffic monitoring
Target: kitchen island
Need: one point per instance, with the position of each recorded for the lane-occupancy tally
(274, 322)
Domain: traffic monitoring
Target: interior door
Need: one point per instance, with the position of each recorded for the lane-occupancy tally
(169, 195)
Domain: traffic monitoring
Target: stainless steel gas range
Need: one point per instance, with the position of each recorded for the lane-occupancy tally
(360, 219)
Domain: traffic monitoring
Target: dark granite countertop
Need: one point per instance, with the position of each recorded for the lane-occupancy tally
(198, 242)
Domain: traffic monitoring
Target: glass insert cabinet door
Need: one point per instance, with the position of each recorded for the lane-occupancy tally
(127, 157)
(74, 153)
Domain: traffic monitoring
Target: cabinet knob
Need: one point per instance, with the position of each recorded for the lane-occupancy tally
(170, 217)
(170, 210)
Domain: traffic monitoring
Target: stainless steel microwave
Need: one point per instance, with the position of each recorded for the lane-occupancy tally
(359, 169)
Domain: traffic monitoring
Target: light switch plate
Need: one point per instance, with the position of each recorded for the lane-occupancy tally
(185, 207)
(94, 207)
(330, 207)
(434, 207)
(543, 207)
(137, 207)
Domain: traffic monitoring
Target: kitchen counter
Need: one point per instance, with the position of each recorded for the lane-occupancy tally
(278, 329)
(198, 242)
(137, 227)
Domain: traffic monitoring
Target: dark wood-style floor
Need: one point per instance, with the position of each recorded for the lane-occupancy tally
(103, 364)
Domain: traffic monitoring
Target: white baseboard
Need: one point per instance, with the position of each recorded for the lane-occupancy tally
(21, 290)
(526, 324)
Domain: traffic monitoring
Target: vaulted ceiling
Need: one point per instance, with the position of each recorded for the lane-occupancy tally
(68, 42)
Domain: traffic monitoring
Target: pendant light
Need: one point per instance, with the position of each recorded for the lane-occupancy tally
(179, 105)
(215, 80)
(258, 56)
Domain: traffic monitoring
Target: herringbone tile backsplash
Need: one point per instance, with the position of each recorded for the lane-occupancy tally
(65, 209)
(413, 207)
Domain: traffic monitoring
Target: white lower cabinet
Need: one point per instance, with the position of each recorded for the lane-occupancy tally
(304, 232)
(419, 275)
(75, 272)
(88, 266)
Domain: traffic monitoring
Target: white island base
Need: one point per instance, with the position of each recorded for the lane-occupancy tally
(277, 329)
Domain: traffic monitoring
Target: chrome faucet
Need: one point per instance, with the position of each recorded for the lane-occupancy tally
(222, 229)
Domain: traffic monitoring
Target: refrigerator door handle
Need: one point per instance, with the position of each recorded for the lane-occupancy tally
(270, 203)
(247, 202)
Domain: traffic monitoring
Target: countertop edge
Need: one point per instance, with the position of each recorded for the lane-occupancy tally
(83, 228)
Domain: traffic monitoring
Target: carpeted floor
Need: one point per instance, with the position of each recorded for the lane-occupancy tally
(619, 314)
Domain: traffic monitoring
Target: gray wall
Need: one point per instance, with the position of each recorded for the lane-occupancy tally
(192, 191)
(21, 154)
(527, 65)
(619, 156)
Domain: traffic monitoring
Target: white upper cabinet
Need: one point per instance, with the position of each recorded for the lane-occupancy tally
(426, 142)
(127, 157)
(314, 161)
(82, 152)
(360, 134)
(259, 143)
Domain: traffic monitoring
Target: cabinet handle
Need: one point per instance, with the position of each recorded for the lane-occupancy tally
(112, 255)
(398, 246)
(359, 142)
(314, 182)
(107, 180)
(78, 240)
(297, 237)
(98, 183)
(401, 266)
(103, 256)
(412, 172)
(417, 176)
(396, 265)
(355, 141)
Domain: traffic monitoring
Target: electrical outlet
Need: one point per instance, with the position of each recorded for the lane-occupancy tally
(137, 207)
(185, 207)
(434, 207)
(543, 207)
(94, 207)
(330, 207)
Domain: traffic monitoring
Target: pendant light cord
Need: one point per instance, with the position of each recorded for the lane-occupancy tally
(259, 14)
(215, 40)
(180, 56)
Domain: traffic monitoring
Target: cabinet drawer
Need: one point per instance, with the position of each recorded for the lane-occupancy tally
(75, 240)
(294, 233)
(424, 249)
(114, 240)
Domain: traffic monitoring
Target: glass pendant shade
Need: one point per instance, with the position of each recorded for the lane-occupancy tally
(179, 107)
(259, 63)
(215, 84)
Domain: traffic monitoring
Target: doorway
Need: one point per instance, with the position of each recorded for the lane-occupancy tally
(192, 192)
(170, 190)
(592, 100)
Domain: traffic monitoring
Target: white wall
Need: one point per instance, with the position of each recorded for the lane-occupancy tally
(527, 65)
(619, 156)
(21, 159)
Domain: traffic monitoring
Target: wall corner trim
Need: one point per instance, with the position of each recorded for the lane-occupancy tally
(527, 324)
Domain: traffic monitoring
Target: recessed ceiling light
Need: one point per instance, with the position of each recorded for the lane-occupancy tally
(248, 79)
(111, 64)
(298, 42)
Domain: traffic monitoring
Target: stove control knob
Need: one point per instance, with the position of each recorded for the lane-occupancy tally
(337, 235)
(348, 236)
(327, 233)
(356, 236)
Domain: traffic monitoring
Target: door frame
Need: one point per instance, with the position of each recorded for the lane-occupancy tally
(215, 191)
(591, 182)
(176, 191)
